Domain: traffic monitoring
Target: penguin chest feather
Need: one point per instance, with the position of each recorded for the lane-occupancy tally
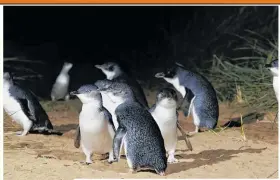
(94, 130)
(175, 82)
(13, 108)
(166, 119)
(110, 106)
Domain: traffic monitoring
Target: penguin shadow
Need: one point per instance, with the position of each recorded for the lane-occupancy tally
(47, 133)
(65, 127)
(247, 119)
(207, 157)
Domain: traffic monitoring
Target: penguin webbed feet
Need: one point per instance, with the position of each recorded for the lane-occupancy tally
(112, 160)
(21, 133)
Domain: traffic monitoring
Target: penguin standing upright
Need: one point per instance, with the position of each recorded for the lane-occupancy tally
(60, 87)
(24, 108)
(273, 67)
(137, 131)
(165, 114)
(114, 72)
(204, 106)
(96, 127)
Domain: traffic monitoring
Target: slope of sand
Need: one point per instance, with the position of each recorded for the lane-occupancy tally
(221, 155)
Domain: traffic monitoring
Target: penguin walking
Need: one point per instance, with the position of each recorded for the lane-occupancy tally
(204, 106)
(96, 128)
(60, 87)
(273, 67)
(114, 72)
(137, 131)
(24, 108)
(165, 114)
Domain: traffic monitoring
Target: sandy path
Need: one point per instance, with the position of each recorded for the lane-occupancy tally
(222, 155)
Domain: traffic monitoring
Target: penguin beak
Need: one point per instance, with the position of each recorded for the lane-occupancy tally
(98, 66)
(160, 75)
(73, 93)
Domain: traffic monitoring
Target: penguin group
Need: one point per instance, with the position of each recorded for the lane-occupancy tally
(116, 118)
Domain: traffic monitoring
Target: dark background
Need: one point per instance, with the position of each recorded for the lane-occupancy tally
(143, 39)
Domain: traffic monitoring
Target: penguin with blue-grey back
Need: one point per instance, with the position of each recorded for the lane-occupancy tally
(23, 106)
(204, 106)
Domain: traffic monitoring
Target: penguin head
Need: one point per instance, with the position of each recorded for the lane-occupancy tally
(117, 92)
(67, 66)
(110, 69)
(167, 98)
(273, 67)
(87, 93)
(7, 78)
(169, 74)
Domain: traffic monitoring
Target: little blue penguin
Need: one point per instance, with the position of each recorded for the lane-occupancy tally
(107, 103)
(114, 72)
(204, 106)
(273, 67)
(24, 108)
(95, 123)
(165, 114)
(60, 87)
(137, 131)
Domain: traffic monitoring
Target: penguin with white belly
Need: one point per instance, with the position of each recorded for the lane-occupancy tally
(204, 106)
(165, 114)
(96, 129)
(60, 87)
(25, 109)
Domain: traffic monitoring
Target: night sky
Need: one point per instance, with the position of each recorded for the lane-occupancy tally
(140, 38)
(90, 32)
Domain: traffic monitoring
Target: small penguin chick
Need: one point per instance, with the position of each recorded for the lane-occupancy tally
(165, 114)
(96, 127)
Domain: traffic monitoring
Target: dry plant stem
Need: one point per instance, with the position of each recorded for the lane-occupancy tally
(242, 128)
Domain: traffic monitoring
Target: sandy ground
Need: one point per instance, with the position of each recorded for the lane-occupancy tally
(215, 155)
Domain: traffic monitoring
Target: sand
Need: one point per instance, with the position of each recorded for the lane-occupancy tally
(215, 155)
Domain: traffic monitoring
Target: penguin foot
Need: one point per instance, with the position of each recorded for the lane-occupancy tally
(88, 163)
(172, 159)
(21, 133)
(111, 160)
(67, 97)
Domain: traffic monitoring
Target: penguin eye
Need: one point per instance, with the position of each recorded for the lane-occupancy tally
(111, 68)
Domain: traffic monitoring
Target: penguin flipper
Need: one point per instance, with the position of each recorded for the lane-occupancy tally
(109, 118)
(117, 143)
(153, 108)
(24, 106)
(185, 104)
